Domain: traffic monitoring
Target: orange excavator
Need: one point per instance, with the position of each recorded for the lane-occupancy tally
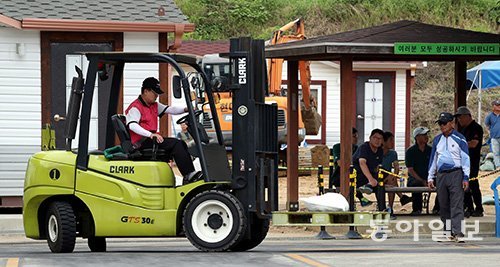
(309, 119)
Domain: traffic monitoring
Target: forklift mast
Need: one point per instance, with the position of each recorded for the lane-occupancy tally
(255, 129)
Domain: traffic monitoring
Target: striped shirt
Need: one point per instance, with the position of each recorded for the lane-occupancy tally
(449, 153)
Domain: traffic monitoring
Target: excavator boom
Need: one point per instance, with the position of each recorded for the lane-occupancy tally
(310, 117)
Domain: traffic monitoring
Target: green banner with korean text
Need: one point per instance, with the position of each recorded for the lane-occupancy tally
(446, 49)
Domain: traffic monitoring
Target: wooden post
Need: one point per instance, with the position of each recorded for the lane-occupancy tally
(292, 151)
(346, 114)
(460, 87)
(164, 83)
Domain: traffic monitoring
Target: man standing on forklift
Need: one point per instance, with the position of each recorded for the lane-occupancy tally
(142, 120)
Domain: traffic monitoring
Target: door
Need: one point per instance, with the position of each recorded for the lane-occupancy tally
(374, 102)
(64, 58)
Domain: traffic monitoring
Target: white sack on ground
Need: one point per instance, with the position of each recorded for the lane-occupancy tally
(488, 200)
(326, 202)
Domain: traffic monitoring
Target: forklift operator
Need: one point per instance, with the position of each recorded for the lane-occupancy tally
(142, 121)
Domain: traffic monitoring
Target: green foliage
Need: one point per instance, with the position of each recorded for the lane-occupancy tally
(222, 19)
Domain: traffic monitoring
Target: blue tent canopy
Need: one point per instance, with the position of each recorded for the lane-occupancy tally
(489, 71)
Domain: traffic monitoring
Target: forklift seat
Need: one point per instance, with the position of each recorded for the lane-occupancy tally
(119, 123)
(121, 130)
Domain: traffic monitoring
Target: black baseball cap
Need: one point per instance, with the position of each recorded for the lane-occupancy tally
(153, 84)
(445, 117)
(463, 110)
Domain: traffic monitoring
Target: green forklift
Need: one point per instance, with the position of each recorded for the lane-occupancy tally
(74, 193)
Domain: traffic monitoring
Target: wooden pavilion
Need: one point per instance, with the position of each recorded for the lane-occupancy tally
(399, 41)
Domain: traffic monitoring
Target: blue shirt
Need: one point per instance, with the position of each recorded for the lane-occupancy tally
(493, 124)
(388, 159)
(449, 153)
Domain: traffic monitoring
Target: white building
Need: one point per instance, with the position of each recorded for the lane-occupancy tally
(39, 45)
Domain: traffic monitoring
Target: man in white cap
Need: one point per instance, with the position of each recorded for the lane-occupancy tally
(492, 122)
(473, 133)
(417, 161)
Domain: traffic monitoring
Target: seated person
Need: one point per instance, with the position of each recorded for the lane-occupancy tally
(142, 120)
(184, 135)
(334, 177)
(417, 161)
(335, 152)
(389, 162)
(366, 161)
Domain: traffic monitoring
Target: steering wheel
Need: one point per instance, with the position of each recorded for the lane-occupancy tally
(185, 118)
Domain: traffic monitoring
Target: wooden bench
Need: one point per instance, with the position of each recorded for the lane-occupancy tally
(426, 193)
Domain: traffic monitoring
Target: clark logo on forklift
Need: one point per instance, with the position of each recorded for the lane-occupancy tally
(242, 70)
(137, 219)
(121, 169)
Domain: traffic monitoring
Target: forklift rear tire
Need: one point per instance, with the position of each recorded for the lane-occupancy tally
(258, 230)
(214, 221)
(97, 244)
(61, 227)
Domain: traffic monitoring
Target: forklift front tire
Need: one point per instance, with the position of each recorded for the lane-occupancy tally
(258, 229)
(214, 221)
(61, 227)
(97, 244)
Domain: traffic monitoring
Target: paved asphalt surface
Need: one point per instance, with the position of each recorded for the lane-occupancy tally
(272, 252)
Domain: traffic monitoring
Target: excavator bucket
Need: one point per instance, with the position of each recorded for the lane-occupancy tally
(309, 108)
(312, 120)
